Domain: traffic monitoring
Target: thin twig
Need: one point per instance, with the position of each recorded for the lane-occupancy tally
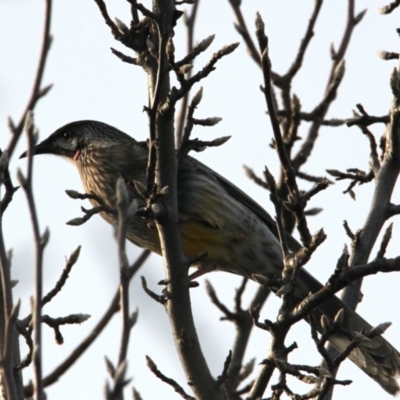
(84, 345)
(72, 259)
(366, 120)
(55, 323)
(178, 389)
(186, 84)
(224, 376)
(123, 57)
(102, 207)
(114, 29)
(385, 241)
(390, 7)
(241, 27)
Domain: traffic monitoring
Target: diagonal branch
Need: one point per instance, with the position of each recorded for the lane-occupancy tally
(37, 92)
(331, 88)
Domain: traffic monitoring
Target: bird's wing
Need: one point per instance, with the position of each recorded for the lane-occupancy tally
(244, 199)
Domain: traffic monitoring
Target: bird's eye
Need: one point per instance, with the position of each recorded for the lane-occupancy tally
(67, 135)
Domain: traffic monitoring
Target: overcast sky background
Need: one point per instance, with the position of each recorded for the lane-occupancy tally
(91, 83)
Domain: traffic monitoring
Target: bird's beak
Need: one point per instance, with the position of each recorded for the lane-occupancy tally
(42, 148)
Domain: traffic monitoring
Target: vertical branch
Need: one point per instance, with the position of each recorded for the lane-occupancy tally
(14, 379)
(286, 165)
(190, 20)
(167, 219)
(123, 221)
(40, 243)
(124, 212)
(154, 99)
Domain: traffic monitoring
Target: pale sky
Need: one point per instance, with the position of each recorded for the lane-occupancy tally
(91, 83)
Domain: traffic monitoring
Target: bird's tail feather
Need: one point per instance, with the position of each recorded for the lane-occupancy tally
(377, 357)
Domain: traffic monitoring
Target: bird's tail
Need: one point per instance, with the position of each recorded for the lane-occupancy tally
(377, 357)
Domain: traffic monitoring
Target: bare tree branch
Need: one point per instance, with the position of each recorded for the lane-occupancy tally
(84, 345)
(37, 91)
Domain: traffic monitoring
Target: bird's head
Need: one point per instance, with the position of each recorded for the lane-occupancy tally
(70, 140)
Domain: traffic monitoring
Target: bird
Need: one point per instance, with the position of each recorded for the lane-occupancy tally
(216, 218)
